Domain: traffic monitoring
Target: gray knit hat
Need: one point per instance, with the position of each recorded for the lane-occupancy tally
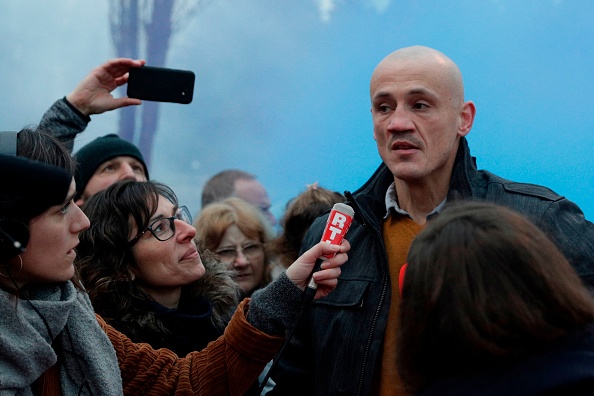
(102, 149)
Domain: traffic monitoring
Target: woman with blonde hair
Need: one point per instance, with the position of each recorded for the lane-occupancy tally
(237, 233)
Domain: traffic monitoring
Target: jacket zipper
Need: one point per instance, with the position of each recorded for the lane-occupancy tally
(361, 219)
(368, 346)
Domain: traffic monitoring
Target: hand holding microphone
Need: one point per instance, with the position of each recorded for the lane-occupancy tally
(325, 258)
(326, 278)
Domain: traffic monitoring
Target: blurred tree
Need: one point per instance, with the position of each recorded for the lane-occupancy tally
(143, 29)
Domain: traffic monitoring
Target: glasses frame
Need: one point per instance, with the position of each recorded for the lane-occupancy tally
(237, 249)
(182, 213)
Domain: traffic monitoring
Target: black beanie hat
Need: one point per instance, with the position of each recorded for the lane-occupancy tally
(21, 180)
(102, 149)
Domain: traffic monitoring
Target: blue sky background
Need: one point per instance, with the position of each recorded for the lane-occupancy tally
(282, 87)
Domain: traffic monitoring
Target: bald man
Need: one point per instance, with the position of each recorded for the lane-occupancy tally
(348, 345)
(241, 184)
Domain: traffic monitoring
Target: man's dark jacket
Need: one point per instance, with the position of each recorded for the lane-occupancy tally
(335, 350)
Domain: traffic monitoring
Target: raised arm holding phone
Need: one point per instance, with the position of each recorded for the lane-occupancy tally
(69, 116)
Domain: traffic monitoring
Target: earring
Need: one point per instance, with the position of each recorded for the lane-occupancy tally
(20, 269)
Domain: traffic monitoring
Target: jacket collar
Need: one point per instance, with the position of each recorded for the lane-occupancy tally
(464, 171)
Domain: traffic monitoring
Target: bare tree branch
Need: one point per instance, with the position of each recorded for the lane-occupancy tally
(143, 29)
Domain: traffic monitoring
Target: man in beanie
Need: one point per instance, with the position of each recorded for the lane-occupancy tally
(105, 161)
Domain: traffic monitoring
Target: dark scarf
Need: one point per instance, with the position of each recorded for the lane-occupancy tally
(187, 328)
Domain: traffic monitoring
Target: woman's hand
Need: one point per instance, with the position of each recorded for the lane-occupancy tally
(327, 278)
(93, 94)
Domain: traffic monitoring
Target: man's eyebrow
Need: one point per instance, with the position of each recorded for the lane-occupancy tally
(381, 94)
(421, 91)
(413, 91)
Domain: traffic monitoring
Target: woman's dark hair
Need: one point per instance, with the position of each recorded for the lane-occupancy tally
(483, 285)
(299, 215)
(104, 254)
(39, 145)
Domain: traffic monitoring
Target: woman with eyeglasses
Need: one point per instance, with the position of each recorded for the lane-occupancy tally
(53, 343)
(237, 233)
(145, 275)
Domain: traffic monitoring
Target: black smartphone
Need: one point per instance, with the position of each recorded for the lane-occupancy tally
(160, 84)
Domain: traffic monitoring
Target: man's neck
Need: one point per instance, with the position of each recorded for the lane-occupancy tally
(419, 199)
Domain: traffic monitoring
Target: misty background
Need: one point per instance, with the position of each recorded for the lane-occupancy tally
(282, 87)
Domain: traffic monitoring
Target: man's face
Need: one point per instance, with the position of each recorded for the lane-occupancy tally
(111, 171)
(418, 118)
(250, 190)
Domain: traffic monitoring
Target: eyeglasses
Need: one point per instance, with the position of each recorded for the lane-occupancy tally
(250, 250)
(164, 228)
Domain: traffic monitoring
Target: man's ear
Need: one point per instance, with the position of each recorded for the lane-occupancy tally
(467, 117)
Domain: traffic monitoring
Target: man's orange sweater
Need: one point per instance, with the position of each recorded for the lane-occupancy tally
(399, 232)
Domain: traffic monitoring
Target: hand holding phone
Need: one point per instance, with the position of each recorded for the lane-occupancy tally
(161, 84)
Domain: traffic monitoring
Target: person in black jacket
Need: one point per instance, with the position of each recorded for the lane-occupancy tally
(491, 307)
(347, 344)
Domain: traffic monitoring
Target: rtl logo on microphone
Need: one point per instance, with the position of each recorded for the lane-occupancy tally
(336, 227)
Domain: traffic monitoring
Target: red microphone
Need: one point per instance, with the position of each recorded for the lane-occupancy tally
(337, 225)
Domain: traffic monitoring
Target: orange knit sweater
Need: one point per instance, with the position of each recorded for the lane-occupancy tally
(399, 232)
(227, 366)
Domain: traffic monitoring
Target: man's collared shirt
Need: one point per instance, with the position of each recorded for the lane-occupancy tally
(392, 204)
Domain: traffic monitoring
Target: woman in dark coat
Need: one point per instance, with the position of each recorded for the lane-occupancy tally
(491, 307)
(141, 285)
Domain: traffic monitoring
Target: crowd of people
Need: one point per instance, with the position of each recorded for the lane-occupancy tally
(458, 282)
